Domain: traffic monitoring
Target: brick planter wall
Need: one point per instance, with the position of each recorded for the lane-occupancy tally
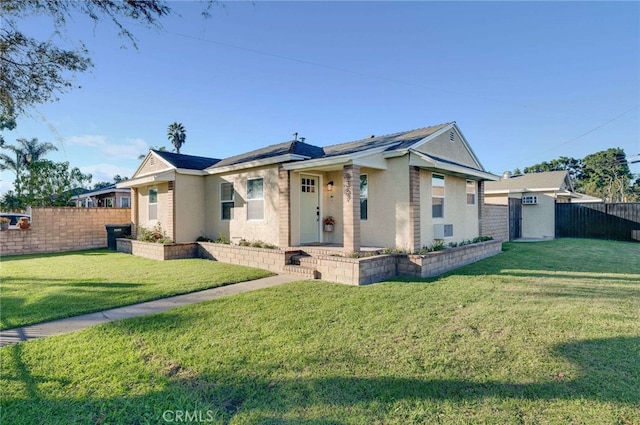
(435, 263)
(357, 271)
(57, 229)
(157, 251)
(268, 259)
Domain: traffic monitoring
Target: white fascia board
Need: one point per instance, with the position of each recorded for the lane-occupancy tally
(191, 172)
(503, 191)
(419, 159)
(258, 163)
(164, 176)
(320, 162)
(374, 161)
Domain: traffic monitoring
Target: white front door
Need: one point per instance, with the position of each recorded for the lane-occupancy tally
(309, 209)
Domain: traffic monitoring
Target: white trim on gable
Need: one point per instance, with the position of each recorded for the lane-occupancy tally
(164, 176)
(452, 126)
(420, 159)
(144, 162)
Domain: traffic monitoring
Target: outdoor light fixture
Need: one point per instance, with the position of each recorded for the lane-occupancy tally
(330, 186)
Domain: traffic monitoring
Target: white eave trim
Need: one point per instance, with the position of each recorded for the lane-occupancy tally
(319, 162)
(165, 176)
(257, 163)
(421, 160)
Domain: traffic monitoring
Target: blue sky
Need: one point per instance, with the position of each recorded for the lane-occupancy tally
(526, 81)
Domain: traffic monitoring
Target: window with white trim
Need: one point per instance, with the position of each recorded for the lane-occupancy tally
(153, 203)
(437, 196)
(255, 199)
(227, 196)
(471, 192)
(125, 202)
(364, 197)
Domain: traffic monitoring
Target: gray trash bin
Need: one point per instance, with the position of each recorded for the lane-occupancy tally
(115, 231)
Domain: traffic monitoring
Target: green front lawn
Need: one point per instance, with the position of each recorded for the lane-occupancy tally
(544, 333)
(37, 288)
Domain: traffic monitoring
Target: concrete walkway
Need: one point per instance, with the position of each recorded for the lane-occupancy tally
(71, 324)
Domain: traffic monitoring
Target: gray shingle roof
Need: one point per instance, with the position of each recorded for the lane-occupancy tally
(545, 180)
(394, 141)
(189, 162)
(292, 147)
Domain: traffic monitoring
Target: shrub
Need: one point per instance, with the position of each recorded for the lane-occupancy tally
(154, 235)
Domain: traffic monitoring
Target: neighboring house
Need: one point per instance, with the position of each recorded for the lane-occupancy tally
(105, 197)
(403, 190)
(531, 198)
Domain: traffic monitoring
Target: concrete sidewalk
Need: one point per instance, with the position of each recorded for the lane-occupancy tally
(71, 324)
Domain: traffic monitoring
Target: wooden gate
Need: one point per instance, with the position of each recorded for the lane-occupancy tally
(515, 219)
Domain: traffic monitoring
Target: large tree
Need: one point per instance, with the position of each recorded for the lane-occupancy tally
(177, 135)
(572, 165)
(607, 175)
(48, 183)
(25, 153)
(36, 71)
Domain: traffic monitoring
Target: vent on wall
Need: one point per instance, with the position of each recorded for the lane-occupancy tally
(452, 136)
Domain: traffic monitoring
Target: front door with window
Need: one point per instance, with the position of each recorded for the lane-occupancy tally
(309, 209)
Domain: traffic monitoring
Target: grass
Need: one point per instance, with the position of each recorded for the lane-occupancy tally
(37, 288)
(544, 333)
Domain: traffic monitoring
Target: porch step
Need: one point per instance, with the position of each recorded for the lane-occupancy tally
(302, 271)
(304, 260)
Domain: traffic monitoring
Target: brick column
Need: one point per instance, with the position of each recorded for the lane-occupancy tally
(284, 207)
(414, 208)
(481, 207)
(134, 211)
(351, 207)
(169, 226)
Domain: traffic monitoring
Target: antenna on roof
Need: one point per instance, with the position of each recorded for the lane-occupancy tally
(295, 136)
(302, 139)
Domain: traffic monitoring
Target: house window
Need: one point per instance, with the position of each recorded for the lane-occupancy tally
(364, 197)
(153, 203)
(226, 200)
(108, 202)
(255, 199)
(437, 196)
(125, 202)
(471, 192)
(308, 185)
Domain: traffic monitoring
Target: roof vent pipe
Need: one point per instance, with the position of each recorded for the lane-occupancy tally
(295, 136)
(506, 175)
(302, 139)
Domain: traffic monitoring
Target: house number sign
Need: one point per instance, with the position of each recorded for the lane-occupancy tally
(347, 186)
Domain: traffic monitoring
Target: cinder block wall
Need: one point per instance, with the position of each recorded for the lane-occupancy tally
(57, 229)
(495, 221)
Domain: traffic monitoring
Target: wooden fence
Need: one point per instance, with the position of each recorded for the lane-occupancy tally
(599, 221)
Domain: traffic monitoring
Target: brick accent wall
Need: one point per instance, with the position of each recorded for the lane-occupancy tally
(495, 221)
(171, 208)
(134, 211)
(414, 207)
(268, 259)
(58, 229)
(284, 206)
(351, 207)
(157, 251)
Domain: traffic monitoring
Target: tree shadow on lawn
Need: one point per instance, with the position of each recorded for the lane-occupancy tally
(609, 372)
(86, 252)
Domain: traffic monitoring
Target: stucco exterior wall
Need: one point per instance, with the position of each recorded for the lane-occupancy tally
(163, 206)
(388, 222)
(463, 217)
(332, 206)
(455, 150)
(239, 226)
(189, 202)
(539, 220)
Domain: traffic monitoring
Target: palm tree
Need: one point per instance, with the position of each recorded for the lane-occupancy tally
(155, 148)
(177, 135)
(26, 153)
